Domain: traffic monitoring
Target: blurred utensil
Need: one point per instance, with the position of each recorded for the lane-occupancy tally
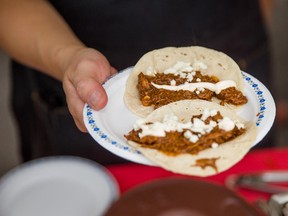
(266, 182)
(260, 181)
(278, 204)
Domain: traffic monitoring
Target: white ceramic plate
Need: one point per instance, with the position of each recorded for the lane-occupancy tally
(109, 125)
(58, 186)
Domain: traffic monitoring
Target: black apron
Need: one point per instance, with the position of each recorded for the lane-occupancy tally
(123, 31)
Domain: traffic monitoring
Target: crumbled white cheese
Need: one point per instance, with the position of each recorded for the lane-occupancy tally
(200, 127)
(239, 125)
(194, 129)
(201, 89)
(213, 124)
(214, 145)
(169, 123)
(226, 124)
(205, 114)
(187, 71)
(173, 82)
(190, 77)
(179, 67)
(150, 71)
(183, 69)
(191, 137)
(199, 65)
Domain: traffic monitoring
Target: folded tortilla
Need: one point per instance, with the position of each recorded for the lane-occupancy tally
(218, 64)
(225, 155)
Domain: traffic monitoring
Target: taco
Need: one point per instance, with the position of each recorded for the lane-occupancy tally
(193, 137)
(170, 74)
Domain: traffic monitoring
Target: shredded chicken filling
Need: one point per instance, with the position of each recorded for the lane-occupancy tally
(152, 96)
(175, 143)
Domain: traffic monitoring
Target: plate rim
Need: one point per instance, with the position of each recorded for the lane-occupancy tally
(13, 176)
(123, 150)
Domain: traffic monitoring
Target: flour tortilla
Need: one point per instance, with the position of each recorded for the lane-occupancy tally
(219, 65)
(229, 153)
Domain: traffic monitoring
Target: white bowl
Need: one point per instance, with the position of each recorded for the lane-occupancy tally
(58, 186)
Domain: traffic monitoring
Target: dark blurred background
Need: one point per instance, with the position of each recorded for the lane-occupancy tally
(278, 31)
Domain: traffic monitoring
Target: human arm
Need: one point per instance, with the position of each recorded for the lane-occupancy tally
(34, 34)
(267, 10)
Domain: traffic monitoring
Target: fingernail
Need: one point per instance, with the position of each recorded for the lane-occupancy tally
(93, 101)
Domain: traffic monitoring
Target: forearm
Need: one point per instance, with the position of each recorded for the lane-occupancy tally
(267, 10)
(33, 33)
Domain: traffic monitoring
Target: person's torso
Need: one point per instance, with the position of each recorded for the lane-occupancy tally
(123, 30)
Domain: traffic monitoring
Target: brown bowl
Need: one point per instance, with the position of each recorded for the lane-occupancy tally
(180, 197)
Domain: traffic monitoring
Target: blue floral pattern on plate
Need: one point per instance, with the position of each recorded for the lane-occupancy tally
(260, 96)
(112, 139)
(104, 136)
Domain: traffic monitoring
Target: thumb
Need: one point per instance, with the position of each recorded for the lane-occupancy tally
(92, 92)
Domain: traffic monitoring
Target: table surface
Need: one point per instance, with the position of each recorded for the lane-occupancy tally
(275, 159)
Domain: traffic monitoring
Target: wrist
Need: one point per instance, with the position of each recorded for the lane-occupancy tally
(62, 57)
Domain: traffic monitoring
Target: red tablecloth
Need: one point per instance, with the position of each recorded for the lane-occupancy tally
(131, 174)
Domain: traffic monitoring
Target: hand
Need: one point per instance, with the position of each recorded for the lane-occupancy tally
(84, 75)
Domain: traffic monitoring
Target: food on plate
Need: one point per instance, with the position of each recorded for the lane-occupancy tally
(193, 137)
(171, 74)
